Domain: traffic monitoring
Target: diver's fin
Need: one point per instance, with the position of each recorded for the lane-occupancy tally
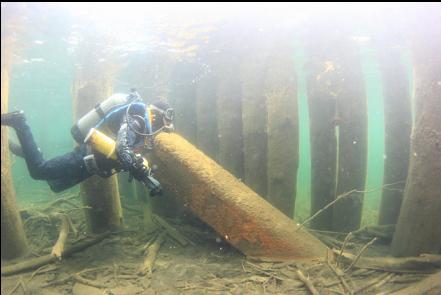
(13, 118)
(16, 149)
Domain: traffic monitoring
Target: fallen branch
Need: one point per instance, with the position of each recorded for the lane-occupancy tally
(326, 207)
(37, 262)
(307, 282)
(87, 270)
(383, 232)
(340, 275)
(329, 241)
(421, 264)
(19, 284)
(373, 282)
(360, 253)
(430, 285)
(342, 196)
(84, 281)
(384, 280)
(265, 271)
(409, 278)
(57, 282)
(170, 230)
(58, 248)
(37, 215)
(328, 232)
(61, 201)
(345, 242)
(153, 249)
(39, 271)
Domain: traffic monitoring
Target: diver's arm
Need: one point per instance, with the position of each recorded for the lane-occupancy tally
(133, 162)
(124, 147)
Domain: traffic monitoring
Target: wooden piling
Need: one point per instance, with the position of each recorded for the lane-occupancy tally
(418, 229)
(182, 98)
(238, 214)
(93, 84)
(321, 81)
(207, 133)
(398, 124)
(254, 112)
(352, 136)
(14, 243)
(282, 127)
(229, 114)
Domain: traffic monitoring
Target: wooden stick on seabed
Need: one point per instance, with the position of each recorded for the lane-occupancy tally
(361, 252)
(423, 264)
(176, 235)
(326, 207)
(377, 282)
(340, 275)
(307, 282)
(58, 248)
(342, 196)
(46, 259)
(342, 249)
(153, 249)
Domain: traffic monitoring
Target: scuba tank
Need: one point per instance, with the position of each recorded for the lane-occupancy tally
(91, 119)
(107, 146)
(104, 145)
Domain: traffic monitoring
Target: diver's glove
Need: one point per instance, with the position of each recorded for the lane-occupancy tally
(145, 176)
(134, 163)
(153, 186)
(130, 161)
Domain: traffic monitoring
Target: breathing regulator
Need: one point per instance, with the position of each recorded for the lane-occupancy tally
(166, 115)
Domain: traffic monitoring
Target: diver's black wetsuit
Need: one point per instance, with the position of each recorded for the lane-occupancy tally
(65, 171)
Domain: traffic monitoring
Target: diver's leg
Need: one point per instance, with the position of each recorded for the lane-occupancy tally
(31, 152)
(64, 171)
(70, 169)
(68, 165)
(65, 166)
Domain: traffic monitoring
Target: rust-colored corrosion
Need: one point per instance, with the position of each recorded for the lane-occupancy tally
(242, 217)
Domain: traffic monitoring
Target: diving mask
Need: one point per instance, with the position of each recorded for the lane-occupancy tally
(168, 116)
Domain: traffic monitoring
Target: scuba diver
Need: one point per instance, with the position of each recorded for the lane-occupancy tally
(123, 123)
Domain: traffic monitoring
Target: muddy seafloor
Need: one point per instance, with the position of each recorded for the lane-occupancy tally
(206, 265)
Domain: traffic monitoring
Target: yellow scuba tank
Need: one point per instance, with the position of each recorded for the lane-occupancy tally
(104, 145)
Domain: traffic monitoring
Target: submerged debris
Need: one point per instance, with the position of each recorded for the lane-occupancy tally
(180, 258)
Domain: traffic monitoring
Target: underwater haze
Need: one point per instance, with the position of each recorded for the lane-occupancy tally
(327, 113)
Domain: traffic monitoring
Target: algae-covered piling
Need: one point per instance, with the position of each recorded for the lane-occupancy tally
(229, 113)
(418, 228)
(254, 119)
(321, 81)
(93, 84)
(100, 194)
(282, 117)
(14, 243)
(398, 124)
(239, 215)
(352, 139)
(207, 138)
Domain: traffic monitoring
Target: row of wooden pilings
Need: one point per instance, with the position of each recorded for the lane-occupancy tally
(244, 114)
